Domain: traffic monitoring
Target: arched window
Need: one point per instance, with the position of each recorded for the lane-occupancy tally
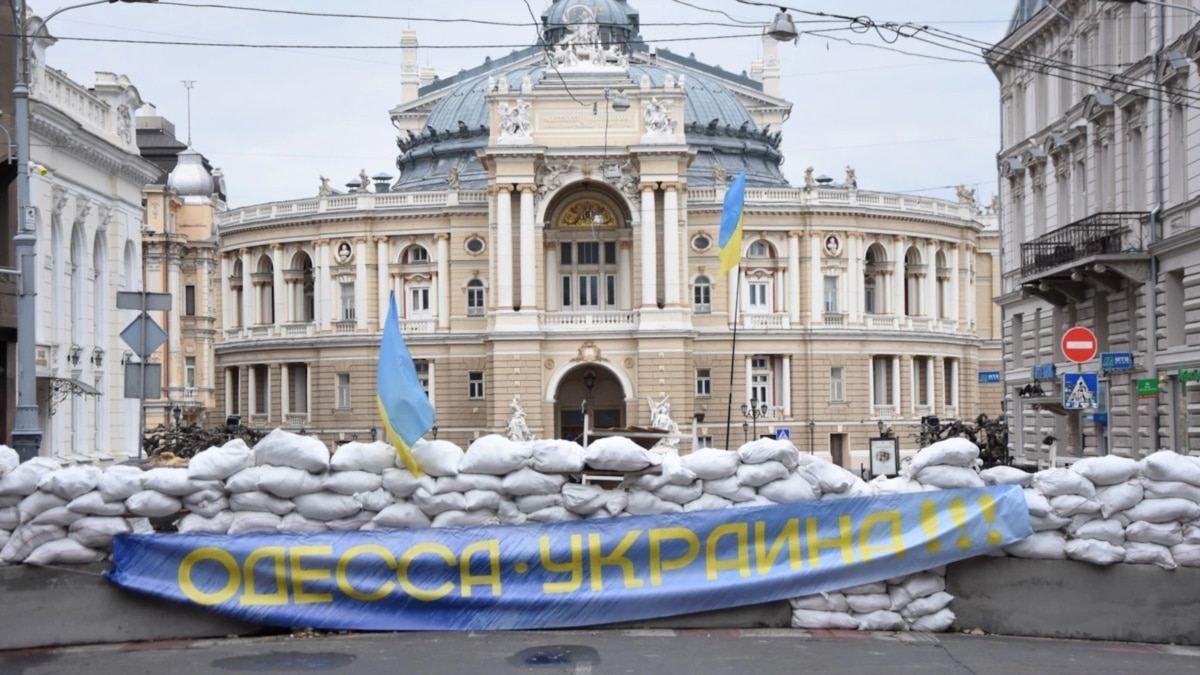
(913, 273)
(943, 279)
(760, 249)
(760, 274)
(99, 290)
(303, 281)
(79, 272)
(702, 296)
(265, 281)
(873, 283)
(476, 305)
(415, 255)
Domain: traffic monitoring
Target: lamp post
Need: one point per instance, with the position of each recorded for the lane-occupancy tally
(753, 412)
(589, 381)
(27, 433)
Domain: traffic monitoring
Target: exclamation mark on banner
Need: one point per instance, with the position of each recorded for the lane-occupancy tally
(987, 504)
(958, 516)
(929, 523)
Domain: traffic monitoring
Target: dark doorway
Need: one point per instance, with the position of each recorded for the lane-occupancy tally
(604, 394)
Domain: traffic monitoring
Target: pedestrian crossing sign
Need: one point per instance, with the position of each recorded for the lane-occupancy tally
(1081, 391)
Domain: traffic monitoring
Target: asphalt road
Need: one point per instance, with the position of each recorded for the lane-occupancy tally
(659, 652)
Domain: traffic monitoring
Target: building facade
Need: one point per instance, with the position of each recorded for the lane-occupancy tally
(554, 252)
(1100, 138)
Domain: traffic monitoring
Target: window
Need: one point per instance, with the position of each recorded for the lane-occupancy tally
(418, 300)
(589, 275)
(837, 384)
(189, 372)
(760, 379)
(701, 243)
(1080, 197)
(1065, 77)
(347, 294)
(565, 254)
(1039, 209)
(261, 379)
(759, 249)
(1019, 113)
(417, 254)
(1063, 195)
(703, 382)
(1135, 171)
(831, 295)
(704, 442)
(475, 305)
(950, 383)
(343, 391)
(589, 253)
(1177, 159)
(702, 296)
(1176, 320)
(422, 368)
(189, 300)
(921, 380)
(475, 386)
(566, 292)
(610, 253)
(233, 391)
(475, 245)
(882, 392)
(758, 295)
(589, 295)
(297, 374)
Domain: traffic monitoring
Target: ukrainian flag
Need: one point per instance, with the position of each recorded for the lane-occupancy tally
(403, 405)
(730, 240)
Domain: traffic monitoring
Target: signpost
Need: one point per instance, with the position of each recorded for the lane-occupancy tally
(1080, 391)
(1147, 388)
(144, 336)
(1080, 345)
(1114, 362)
(990, 377)
(783, 434)
(1186, 376)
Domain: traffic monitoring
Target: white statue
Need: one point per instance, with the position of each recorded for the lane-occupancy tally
(364, 181)
(553, 175)
(659, 125)
(660, 418)
(581, 49)
(809, 181)
(324, 190)
(454, 178)
(518, 428)
(516, 128)
(851, 178)
(966, 195)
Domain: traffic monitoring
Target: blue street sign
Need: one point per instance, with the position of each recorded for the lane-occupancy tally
(1045, 371)
(783, 434)
(989, 377)
(1099, 419)
(1081, 391)
(1116, 361)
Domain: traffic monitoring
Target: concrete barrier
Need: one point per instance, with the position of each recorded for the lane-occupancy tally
(1067, 599)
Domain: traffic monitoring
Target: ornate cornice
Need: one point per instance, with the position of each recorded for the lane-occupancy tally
(68, 136)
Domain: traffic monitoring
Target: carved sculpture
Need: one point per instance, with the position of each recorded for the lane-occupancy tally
(581, 49)
(124, 123)
(660, 418)
(454, 178)
(518, 428)
(659, 125)
(553, 175)
(324, 190)
(809, 181)
(966, 195)
(364, 180)
(719, 174)
(516, 127)
(851, 178)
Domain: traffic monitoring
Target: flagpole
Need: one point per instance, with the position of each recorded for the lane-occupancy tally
(737, 310)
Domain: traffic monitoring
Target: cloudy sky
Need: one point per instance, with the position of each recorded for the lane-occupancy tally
(276, 119)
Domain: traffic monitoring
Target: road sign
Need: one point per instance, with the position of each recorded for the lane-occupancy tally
(1116, 361)
(143, 336)
(155, 302)
(783, 434)
(134, 378)
(1186, 376)
(1079, 345)
(1147, 388)
(1099, 419)
(1080, 390)
(990, 377)
(1045, 371)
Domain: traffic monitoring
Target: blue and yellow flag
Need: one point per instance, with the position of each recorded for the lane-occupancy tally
(730, 240)
(405, 408)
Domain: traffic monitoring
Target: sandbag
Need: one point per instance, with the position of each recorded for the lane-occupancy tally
(245, 522)
(1191, 534)
(791, 489)
(203, 496)
(465, 482)
(1164, 489)
(369, 457)
(97, 532)
(868, 602)
(531, 503)
(194, 523)
(495, 455)
(24, 479)
(1163, 534)
(261, 502)
(552, 514)
(283, 448)
(755, 475)
(1107, 470)
(958, 452)
(437, 458)
(1006, 475)
(1057, 482)
(711, 463)
(1107, 530)
(1163, 510)
(731, 489)
(645, 504)
(153, 504)
(865, 589)
(294, 522)
(119, 483)
(209, 508)
(529, 482)
(829, 477)
(398, 516)
(326, 506)
(948, 477)
(26, 538)
(245, 480)
(617, 453)
(465, 519)
(1094, 551)
(822, 602)
(938, 622)
(401, 483)
(1139, 553)
(1072, 505)
(1049, 545)
(433, 504)
(219, 463)
(816, 619)
(1166, 465)
(38, 503)
(930, 604)
(648, 482)
(882, 485)
(349, 482)
(707, 502)
(63, 552)
(1186, 555)
(556, 456)
(71, 482)
(10, 518)
(287, 482)
(509, 514)
(882, 620)
(583, 499)
(484, 500)
(922, 585)
(59, 515)
(9, 460)
(675, 473)
(1036, 502)
(374, 500)
(173, 482)
(770, 450)
(680, 494)
(1117, 498)
(353, 522)
(1050, 521)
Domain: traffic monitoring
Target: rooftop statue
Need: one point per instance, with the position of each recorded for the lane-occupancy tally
(582, 50)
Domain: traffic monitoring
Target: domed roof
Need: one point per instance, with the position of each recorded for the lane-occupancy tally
(190, 178)
(616, 19)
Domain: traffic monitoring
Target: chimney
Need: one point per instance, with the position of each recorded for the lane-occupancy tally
(410, 75)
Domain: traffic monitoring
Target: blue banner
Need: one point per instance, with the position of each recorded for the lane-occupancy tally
(572, 574)
(990, 377)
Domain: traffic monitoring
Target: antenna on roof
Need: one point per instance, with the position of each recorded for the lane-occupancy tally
(189, 84)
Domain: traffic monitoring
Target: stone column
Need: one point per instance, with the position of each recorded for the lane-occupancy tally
(227, 304)
(816, 282)
(552, 283)
(382, 276)
(175, 287)
(912, 384)
(854, 279)
(529, 301)
(786, 389)
(954, 284)
(326, 310)
(284, 400)
(649, 249)
(249, 292)
(793, 277)
(443, 280)
(671, 245)
(899, 277)
(896, 385)
(624, 275)
(952, 395)
(870, 385)
(778, 284)
(748, 367)
(930, 388)
(277, 286)
(504, 249)
(929, 283)
(360, 283)
(252, 395)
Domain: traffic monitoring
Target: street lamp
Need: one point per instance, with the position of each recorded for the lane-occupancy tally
(783, 28)
(27, 434)
(753, 412)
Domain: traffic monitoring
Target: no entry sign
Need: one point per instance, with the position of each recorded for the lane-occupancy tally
(1079, 345)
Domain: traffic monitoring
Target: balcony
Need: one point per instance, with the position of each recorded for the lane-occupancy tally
(343, 327)
(881, 322)
(1104, 248)
(764, 321)
(835, 319)
(299, 329)
(264, 331)
(572, 321)
(884, 411)
(417, 326)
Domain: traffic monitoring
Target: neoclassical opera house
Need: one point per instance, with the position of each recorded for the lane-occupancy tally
(551, 238)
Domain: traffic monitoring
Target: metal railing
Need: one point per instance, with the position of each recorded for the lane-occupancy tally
(1100, 234)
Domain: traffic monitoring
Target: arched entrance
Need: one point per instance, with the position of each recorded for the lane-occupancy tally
(605, 398)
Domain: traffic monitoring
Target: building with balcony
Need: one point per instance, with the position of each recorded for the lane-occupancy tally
(1099, 222)
(559, 253)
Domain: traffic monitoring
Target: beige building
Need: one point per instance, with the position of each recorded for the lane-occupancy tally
(555, 252)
